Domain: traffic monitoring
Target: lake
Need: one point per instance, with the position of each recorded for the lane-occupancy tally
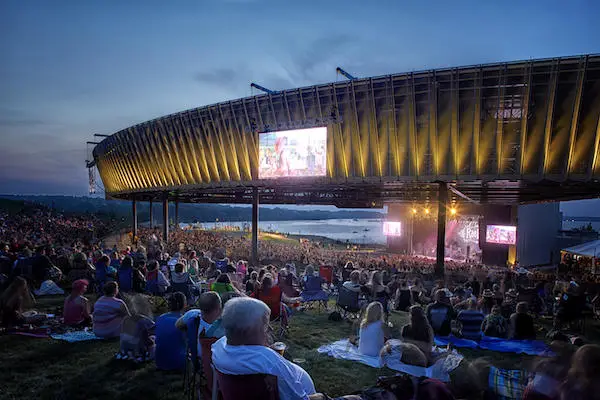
(360, 231)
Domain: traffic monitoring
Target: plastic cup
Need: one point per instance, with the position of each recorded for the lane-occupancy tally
(279, 347)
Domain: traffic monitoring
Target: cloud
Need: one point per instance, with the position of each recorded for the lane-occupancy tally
(217, 77)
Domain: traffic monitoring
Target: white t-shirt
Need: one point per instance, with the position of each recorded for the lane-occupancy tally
(293, 382)
(371, 339)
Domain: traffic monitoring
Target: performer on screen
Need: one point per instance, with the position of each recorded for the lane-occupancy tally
(283, 162)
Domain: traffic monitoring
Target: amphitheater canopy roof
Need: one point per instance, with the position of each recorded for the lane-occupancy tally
(504, 133)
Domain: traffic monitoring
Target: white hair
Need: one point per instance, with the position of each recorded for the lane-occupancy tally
(244, 314)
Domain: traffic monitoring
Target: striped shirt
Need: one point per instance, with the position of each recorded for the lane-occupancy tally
(108, 316)
(471, 321)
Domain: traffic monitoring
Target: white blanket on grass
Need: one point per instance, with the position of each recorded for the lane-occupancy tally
(343, 349)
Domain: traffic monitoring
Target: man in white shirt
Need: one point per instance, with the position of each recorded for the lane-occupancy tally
(244, 350)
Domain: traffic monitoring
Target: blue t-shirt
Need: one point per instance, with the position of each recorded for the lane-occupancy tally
(170, 343)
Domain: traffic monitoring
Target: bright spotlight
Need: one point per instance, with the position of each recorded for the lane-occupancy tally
(453, 211)
(427, 211)
(414, 210)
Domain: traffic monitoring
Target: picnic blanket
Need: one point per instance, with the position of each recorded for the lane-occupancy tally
(75, 336)
(343, 349)
(530, 347)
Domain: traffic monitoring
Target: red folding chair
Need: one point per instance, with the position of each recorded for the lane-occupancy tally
(245, 387)
(207, 389)
(326, 273)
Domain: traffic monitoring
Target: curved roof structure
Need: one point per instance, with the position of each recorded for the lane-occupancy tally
(503, 133)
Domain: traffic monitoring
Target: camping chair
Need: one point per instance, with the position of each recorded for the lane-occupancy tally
(208, 389)
(192, 366)
(279, 322)
(326, 273)
(347, 303)
(245, 387)
(185, 289)
(314, 293)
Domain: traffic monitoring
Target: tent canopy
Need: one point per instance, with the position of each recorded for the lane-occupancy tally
(588, 249)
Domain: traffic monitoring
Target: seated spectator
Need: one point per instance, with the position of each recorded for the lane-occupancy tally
(223, 285)
(109, 312)
(494, 324)
(179, 276)
(209, 315)
(498, 295)
(14, 301)
(156, 282)
(470, 321)
(313, 286)
(252, 284)
(125, 274)
(403, 297)
(170, 341)
(373, 330)
(487, 302)
(418, 332)
(353, 284)
(137, 332)
(409, 353)
(569, 307)
(509, 304)
(521, 323)
(286, 282)
(440, 314)
(76, 311)
(81, 268)
(273, 297)
(244, 350)
(104, 272)
(378, 291)
(583, 378)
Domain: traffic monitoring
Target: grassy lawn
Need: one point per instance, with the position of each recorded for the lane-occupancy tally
(50, 369)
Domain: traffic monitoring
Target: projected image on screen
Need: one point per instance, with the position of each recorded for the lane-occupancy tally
(391, 228)
(501, 234)
(298, 152)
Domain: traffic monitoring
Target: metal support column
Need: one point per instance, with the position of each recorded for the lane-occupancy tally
(255, 227)
(151, 215)
(441, 231)
(166, 220)
(176, 214)
(134, 221)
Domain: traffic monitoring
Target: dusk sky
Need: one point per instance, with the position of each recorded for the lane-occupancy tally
(74, 68)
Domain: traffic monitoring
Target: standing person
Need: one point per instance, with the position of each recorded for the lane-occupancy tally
(470, 321)
(109, 312)
(76, 310)
(373, 330)
(170, 341)
(440, 314)
(521, 323)
(125, 274)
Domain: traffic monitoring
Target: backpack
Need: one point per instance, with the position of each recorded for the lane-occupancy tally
(335, 316)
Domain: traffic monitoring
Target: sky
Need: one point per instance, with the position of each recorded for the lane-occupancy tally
(73, 68)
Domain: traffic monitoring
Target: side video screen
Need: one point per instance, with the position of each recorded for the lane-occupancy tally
(298, 152)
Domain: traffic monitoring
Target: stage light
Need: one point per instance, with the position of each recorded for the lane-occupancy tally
(414, 210)
(453, 211)
(427, 211)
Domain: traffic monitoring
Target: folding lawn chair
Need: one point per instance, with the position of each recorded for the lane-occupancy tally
(245, 387)
(347, 303)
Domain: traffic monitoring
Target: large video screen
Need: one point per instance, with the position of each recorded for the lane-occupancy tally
(391, 228)
(294, 153)
(501, 234)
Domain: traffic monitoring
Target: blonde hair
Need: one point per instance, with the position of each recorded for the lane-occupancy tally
(374, 313)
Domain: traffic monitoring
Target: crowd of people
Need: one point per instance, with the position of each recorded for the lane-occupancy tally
(218, 298)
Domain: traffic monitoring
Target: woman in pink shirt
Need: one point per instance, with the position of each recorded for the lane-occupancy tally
(76, 311)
